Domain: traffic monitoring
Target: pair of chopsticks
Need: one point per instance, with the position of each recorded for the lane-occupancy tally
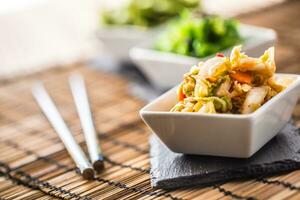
(80, 97)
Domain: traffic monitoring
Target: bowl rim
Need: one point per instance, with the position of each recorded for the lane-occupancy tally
(133, 32)
(145, 110)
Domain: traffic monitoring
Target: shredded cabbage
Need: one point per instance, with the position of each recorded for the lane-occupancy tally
(238, 84)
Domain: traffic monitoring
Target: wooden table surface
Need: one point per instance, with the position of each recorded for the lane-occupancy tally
(35, 165)
(284, 19)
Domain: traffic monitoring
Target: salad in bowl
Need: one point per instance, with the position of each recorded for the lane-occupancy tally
(190, 39)
(146, 13)
(236, 84)
(196, 36)
(125, 26)
(225, 106)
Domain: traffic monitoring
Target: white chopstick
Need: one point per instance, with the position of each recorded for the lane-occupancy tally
(49, 109)
(81, 100)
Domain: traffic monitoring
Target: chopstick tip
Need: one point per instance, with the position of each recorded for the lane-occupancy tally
(37, 84)
(75, 76)
(37, 88)
(98, 165)
(88, 174)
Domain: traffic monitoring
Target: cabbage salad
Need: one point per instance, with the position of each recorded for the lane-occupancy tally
(146, 13)
(237, 84)
(196, 36)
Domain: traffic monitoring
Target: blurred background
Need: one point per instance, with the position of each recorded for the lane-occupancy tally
(37, 34)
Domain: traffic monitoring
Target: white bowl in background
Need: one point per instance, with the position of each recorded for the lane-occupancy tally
(165, 70)
(118, 40)
(229, 135)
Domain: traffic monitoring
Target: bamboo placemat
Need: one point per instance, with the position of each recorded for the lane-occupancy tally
(35, 165)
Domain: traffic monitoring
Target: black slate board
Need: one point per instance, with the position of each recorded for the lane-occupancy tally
(172, 170)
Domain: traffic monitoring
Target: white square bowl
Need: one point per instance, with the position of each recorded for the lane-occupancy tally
(118, 40)
(165, 70)
(228, 135)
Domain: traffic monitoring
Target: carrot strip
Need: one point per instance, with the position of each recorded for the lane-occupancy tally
(181, 96)
(242, 77)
